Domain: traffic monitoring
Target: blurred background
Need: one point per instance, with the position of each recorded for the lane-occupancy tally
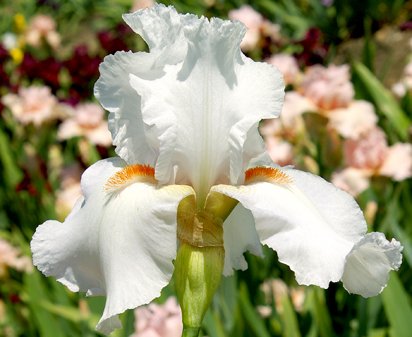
(347, 117)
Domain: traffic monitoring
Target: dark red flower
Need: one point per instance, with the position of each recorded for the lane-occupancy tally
(115, 40)
(84, 70)
(4, 78)
(406, 26)
(4, 54)
(14, 298)
(47, 70)
(26, 185)
(111, 43)
(314, 49)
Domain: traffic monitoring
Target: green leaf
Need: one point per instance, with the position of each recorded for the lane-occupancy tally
(397, 307)
(11, 173)
(291, 327)
(46, 322)
(298, 23)
(213, 325)
(227, 301)
(250, 315)
(70, 313)
(384, 100)
(377, 333)
(405, 241)
(317, 306)
(127, 323)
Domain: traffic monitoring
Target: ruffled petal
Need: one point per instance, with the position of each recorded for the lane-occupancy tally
(110, 243)
(161, 28)
(309, 223)
(369, 263)
(113, 91)
(203, 109)
(53, 244)
(239, 236)
(191, 105)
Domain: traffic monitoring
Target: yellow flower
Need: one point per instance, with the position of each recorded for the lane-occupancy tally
(17, 55)
(19, 23)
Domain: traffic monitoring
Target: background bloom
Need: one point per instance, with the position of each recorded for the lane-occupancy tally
(370, 156)
(34, 105)
(42, 27)
(253, 22)
(69, 191)
(328, 87)
(157, 320)
(351, 180)
(10, 257)
(141, 4)
(280, 151)
(398, 162)
(367, 152)
(87, 121)
(288, 66)
(355, 120)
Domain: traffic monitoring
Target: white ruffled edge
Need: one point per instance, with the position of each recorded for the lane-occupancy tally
(368, 264)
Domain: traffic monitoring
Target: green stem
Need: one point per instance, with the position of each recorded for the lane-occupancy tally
(190, 332)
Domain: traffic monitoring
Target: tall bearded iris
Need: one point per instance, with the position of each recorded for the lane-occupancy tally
(193, 185)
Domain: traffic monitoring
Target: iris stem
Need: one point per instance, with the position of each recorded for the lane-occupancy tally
(190, 332)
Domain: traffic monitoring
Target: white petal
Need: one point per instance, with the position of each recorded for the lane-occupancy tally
(111, 244)
(95, 177)
(202, 110)
(310, 224)
(369, 263)
(67, 250)
(138, 245)
(161, 28)
(54, 243)
(239, 236)
(125, 120)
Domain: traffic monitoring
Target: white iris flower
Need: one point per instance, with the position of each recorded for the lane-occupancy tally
(184, 119)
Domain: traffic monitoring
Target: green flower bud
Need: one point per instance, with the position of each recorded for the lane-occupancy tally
(200, 258)
(198, 272)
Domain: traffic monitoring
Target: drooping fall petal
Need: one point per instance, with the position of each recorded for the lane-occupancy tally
(109, 244)
(368, 264)
(239, 236)
(311, 225)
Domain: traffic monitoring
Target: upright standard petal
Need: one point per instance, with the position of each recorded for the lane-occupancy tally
(309, 223)
(161, 28)
(125, 120)
(109, 244)
(205, 109)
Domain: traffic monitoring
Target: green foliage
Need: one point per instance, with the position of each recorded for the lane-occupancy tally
(398, 308)
(384, 101)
